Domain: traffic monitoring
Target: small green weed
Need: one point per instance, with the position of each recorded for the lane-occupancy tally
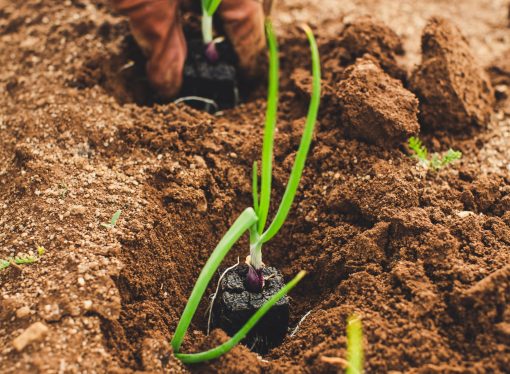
(434, 162)
(355, 355)
(22, 260)
(353, 363)
(113, 221)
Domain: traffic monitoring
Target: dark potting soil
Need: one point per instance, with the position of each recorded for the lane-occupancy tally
(213, 81)
(235, 305)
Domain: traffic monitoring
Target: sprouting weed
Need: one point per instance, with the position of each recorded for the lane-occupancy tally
(113, 221)
(354, 345)
(4, 264)
(40, 250)
(419, 149)
(434, 162)
(22, 260)
(353, 363)
(63, 190)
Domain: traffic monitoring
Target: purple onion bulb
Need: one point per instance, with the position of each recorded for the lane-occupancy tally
(254, 279)
(211, 52)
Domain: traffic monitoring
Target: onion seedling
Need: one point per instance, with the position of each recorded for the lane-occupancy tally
(253, 219)
(208, 9)
(258, 234)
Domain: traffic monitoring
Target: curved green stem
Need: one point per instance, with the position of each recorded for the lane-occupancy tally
(192, 358)
(269, 127)
(247, 219)
(304, 146)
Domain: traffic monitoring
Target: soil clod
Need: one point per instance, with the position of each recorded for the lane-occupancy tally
(369, 35)
(376, 107)
(454, 91)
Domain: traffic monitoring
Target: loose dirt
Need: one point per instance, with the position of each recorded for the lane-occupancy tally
(422, 257)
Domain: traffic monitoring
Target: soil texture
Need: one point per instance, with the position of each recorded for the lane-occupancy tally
(421, 256)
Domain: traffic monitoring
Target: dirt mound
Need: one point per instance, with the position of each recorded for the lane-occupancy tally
(454, 91)
(376, 107)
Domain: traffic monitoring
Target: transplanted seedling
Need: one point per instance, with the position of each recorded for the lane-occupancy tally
(435, 161)
(208, 9)
(209, 75)
(254, 219)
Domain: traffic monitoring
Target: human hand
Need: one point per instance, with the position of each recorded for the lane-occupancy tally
(157, 28)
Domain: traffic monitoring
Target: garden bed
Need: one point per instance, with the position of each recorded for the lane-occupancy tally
(422, 257)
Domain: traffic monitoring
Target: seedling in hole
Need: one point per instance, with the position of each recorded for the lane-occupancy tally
(258, 234)
(113, 221)
(208, 9)
(355, 356)
(22, 260)
(254, 219)
(434, 162)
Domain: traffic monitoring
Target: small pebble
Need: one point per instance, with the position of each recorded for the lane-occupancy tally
(36, 331)
(23, 312)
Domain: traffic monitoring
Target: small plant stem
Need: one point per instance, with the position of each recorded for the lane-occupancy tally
(255, 187)
(354, 345)
(207, 27)
(247, 219)
(269, 128)
(304, 146)
(255, 248)
(191, 358)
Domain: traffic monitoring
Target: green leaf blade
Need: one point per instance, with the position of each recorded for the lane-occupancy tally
(255, 187)
(212, 6)
(269, 127)
(304, 146)
(115, 218)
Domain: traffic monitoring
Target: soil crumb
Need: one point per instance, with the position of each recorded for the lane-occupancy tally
(376, 107)
(455, 92)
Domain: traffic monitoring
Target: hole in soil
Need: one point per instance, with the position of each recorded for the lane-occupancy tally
(162, 264)
(206, 86)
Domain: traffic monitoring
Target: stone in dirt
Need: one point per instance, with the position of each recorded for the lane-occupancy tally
(36, 331)
(454, 91)
(369, 35)
(375, 107)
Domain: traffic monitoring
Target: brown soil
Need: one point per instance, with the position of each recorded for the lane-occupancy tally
(422, 257)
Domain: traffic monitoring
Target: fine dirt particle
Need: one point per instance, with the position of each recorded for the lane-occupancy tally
(454, 91)
(376, 107)
(36, 331)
